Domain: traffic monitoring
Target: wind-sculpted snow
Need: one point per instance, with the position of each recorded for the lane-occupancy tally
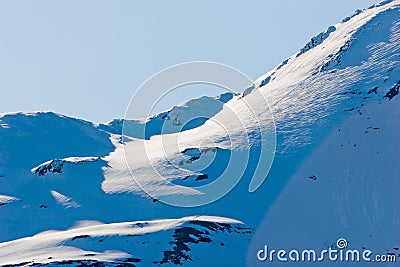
(368, 48)
(126, 244)
(64, 200)
(306, 103)
(335, 111)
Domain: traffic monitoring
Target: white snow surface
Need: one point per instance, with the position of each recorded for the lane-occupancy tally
(64, 200)
(7, 199)
(67, 245)
(335, 110)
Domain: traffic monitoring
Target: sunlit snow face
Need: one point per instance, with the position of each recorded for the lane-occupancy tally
(196, 153)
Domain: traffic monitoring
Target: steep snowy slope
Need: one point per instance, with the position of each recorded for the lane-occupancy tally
(352, 191)
(334, 107)
(352, 68)
(309, 94)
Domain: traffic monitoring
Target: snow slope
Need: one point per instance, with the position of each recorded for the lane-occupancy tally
(334, 107)
(167, 242)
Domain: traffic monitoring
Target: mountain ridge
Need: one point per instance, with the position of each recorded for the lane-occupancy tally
(331, 123)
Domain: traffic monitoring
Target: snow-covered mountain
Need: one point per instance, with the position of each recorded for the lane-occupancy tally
(67, 196)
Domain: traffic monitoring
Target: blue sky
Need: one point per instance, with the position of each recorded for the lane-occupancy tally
(87, 58)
